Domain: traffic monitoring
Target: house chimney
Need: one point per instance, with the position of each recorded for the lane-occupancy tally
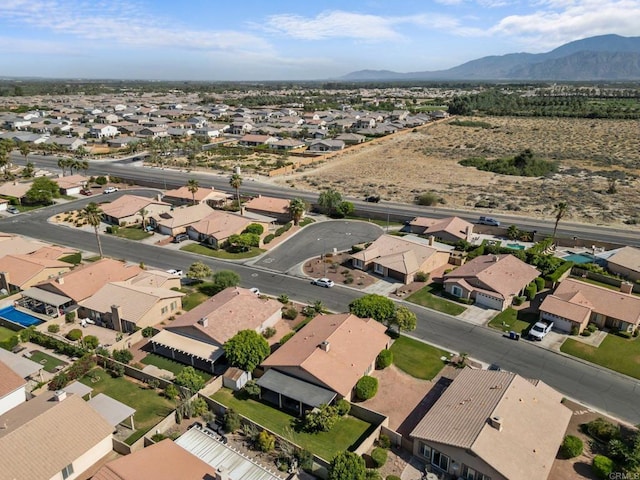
(221, 474)
(116, 317)
(59, 395)
(431, 240)
(204, 321)
(60, 280)
(4, 281)
(496, 422)
(159, 197)
(626, 287)
(496, 258)
(325, 345)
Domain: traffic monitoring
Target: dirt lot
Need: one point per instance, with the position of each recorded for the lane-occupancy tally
(402, 166)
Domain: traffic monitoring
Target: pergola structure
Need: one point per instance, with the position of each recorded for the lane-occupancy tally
(113, 411)
(186, 350)
(44, 302)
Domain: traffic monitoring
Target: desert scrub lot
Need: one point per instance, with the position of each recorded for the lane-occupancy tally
(426, 298)
(345, 432)
(417, 358)
(617, 353)
(586, 150)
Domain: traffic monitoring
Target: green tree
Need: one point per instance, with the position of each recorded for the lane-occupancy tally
(560, 209)
(29, 170)
(246, 350)
(190, 379)
(347, 466)
(254, 228)
(224, 279)
(199, 271)
(321, 419)
(265, 441)
(236, 182)
(374, 306)
(297, 208)
(244, 241)
(25, 149)
(63, 164)
(143, 212)
(513, 232)
(93, 216)
(329, 201)
(123, 355)
(91, 342)
(231, 420)
(367, 387)
(404, 319)
(43, 190)
(193, 186)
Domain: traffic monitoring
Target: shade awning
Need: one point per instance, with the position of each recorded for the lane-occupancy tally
(45, 296)
(190, 346)
(295, 389)
(113, 411)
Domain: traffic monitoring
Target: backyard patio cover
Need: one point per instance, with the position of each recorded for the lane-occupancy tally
(190, 346)
(46, 297)
(113, 411)
(295, 389)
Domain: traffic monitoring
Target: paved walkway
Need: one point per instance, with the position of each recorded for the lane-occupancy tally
(383, 287)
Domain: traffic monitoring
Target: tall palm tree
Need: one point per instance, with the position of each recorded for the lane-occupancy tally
(560, 209)
(297, 207)
(193, 186)
(236, 182)
(143, 213)
(93, 215)
(63, 163)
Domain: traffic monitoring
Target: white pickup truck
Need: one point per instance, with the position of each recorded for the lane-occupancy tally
(540, 329)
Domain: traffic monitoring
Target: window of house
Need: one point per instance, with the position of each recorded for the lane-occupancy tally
(357, 263)
(67, 471)
(425, 451)
(457, 291)
(164, 310)
(468, 473)
(440, 460)
(378, 269)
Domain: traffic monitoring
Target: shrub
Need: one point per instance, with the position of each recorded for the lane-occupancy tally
(255, 228)
(58, 382)
(123, 356)
(379, 456)
(393, 477)
(586, 333)
(74, 335)
(231, 420)
(366, 387)
(574, 330)
(269, 238)
(571, 447)
(53, 328)
(70, 317)
(290, 313)
(348, 280)
(602, 430)
(91, 342)
(116, 370)
(286, 338)
(283, 298)
(199, 406)
(539, 283)
(602, 466)
(321, 419)
(592, 327)
(372, 474)
(268, 332)
(518, 301)
(265, 441)
(252, 389)
(171, 391)
(384, 441)
(343, 407)
(421, 277)
(147, 332)
(427, 199)
(384, 359)
(531, 290)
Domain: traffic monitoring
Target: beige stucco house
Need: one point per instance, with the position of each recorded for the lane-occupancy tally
(126, 209)
(218, 226)
(182, 196)
(626, 263)
(19, 272)
(451, 229)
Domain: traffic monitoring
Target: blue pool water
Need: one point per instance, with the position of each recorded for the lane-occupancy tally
(579, 258)
(15, 316)
(515, 246)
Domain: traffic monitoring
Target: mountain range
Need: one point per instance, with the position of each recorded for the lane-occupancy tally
(605, 57)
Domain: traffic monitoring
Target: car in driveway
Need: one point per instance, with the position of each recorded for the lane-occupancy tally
(255, 290)
(13, 210)
(181, 237)
(86, 191)
(110, 190)
(174, 271)
(323, 282)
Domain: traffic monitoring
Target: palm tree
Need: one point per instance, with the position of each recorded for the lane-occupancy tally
(63, 163)
(93, 215)
(143, 213)
(193, 186)
(560, 209)
(297, 207)
(236, 182)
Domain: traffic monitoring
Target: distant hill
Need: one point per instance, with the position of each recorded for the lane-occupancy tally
(605, 57)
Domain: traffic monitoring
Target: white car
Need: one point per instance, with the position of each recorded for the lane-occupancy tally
(173, 271)
(254, 290)
(110, 190)
(323, 282)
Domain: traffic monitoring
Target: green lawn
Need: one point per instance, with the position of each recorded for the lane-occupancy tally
(150, 406)
(192, 299)
(326, 445)
(426, 298)
(171, 365)
(306, 221)
(6, 333)
(132, 233)
(210, 252)
(617, 353)
(417, 358)
(513, 320)
(48, 362)
(74, 258)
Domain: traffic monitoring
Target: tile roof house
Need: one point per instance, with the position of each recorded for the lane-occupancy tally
(332, 352)
(326, 145)
(575, 304)
(19, 272)
(251, 140)
(126, 209)
(12, 388)
(164, 460)
(496, 425)
(449, 229)
(198, 335)
(124, 307)
(182, 196)
(15, 189)
(399, 258)
(71, 184)
(16, 245)
(626, 263)
(52, 436)
(177, 220)
(218, 226)
(277, 208)
(491, 280)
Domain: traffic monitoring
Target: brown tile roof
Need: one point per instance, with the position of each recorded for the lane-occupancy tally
(532, 416)
(627, 257)
(354, 344)
(163, 461)
(17, 190)
(452, 225)
(85, 280)
(504, 274)
(184, 216)
(156, 279)
(602, 300)
(268, 204)
(15, 245)
(23, 268)
(71, 181)
(202, 194)
(575, 312)
(9, 380)
(128, 205)
(227, 312)
(221, 225)
(401, 254)
(42, 436)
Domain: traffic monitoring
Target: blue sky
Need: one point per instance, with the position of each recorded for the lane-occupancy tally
(286, 39)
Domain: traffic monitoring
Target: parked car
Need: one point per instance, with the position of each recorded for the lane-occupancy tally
(372, 198)
(323, 282)
(540, 330)
(12, 209)
(86, 191)
(254, 290)
(181, 237)
(174, 271)
(488, 221)
(110, 190)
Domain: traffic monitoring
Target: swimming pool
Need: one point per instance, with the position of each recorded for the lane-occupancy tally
(18, 317)
(579, 258)
(515, 246)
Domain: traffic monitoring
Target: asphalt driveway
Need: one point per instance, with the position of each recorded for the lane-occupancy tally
(319, 237)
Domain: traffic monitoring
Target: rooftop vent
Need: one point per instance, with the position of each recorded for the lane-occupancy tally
(60, 395)
(496, 422)
(326, 345)
(204, 321)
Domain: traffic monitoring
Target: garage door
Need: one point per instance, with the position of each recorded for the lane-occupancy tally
(559, 323)
(487, 301)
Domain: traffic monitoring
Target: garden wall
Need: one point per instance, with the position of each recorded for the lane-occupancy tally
(616, 282)
(377, 421)
(133, 372)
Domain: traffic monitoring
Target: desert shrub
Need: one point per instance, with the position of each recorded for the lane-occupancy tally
(269, 238)
(343, 407)
(116, 370)
(421, 277)
(147, 332)
(602, 466)
(290, 313)
(74, 335)
(70, 317)
(602, 430)
(53, 328)
(586, 333)
(91, 342)
(286, 338)
(283, 298)
(518, 301)
(265, 441)
(539, 283)
(571, 447)
(379, 456)
(384, 359)
(366, 387)
(268, 332)
(101, 180)
(428, 199)
(252, 389)
(348, 280)
(384, 441)
(231, 420)
(58, 382)
(123, 356)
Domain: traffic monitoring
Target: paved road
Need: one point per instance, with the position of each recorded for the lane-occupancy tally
(161, 178)
(316, 239)
(607, 391)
